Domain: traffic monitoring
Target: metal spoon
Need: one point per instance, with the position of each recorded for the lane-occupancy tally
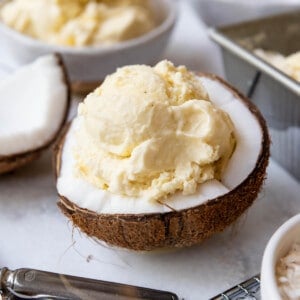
(35, 284)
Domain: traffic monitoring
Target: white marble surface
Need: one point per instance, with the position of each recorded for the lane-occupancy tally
(35, 234)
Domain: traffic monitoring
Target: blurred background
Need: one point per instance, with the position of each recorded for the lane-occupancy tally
(224, 12)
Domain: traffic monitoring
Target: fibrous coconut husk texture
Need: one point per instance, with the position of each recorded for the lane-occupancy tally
(177, 228)
(9, 163)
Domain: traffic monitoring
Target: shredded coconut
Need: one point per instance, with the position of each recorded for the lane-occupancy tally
(288, 274)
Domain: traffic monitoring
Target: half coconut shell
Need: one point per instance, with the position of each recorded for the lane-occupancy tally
(11, 162)
(179, 228)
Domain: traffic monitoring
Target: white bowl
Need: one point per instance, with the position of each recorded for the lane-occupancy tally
(223, 12)
(278, 246)
(93, 63)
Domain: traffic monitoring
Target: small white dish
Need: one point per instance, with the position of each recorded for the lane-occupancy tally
(92, 63)
(278, 246)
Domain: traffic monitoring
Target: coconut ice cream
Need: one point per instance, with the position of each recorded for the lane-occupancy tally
(288, 274)
(289, 65)
(149, 132)
(161, 157)
(79, 22)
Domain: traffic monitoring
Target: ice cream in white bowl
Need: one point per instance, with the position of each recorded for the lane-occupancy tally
(92, 63)
(280, 272)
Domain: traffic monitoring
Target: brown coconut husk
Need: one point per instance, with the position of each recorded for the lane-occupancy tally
(176, 228)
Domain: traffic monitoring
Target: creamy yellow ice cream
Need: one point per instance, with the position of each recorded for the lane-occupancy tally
(287, 64)
(149, 132)
(293, 62)
(79, 22)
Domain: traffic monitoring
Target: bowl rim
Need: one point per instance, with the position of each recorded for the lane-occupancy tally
(269, 260)
(166, 25)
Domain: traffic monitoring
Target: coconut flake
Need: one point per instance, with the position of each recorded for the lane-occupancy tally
(288, 274)
(33, 103)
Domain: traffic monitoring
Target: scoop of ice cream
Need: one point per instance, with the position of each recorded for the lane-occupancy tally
(289, 65)
(79, 22)
(149, 132)
(293, 62)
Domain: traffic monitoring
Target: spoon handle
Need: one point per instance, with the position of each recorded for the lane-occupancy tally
(35, 284)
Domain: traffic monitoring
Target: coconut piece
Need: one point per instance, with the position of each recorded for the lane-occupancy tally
(34, 106)
(181, 220)
(247, 132)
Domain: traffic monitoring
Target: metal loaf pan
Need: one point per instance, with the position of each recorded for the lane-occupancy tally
(276, 94)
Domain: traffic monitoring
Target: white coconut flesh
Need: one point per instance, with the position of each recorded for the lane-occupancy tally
(33, 104)
(248, 135)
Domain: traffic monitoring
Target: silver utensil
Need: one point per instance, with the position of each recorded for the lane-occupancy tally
(247, 290)
(36, 284)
